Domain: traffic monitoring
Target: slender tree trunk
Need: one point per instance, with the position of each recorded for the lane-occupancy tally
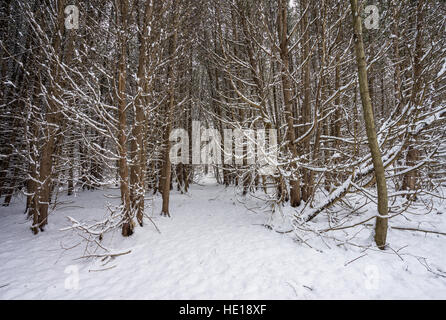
(412, 154)
(306, 108)
(52, 118)
(167, 170)
(139, 131)
(127, 227)
(286, 90)
(381, 222)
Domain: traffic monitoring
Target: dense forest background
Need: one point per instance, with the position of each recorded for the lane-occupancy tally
(95, 104)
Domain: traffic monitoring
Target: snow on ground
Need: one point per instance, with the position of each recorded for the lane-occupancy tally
(211, 248)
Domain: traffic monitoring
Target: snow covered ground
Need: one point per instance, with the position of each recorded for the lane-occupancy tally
(213, 247)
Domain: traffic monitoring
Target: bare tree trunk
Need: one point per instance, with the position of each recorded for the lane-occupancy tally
(139, 131)
(412, 155)
(381, 222)
(52, 118)
(167, 170)
(70, 171)
(128, 225)
(306, 108)
(287, 89)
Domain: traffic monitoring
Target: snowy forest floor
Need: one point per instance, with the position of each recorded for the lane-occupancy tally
(213, 247)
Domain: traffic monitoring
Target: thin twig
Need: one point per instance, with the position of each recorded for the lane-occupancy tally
(104, 255)
(420, 230)
(93, 270)
(354, 260)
